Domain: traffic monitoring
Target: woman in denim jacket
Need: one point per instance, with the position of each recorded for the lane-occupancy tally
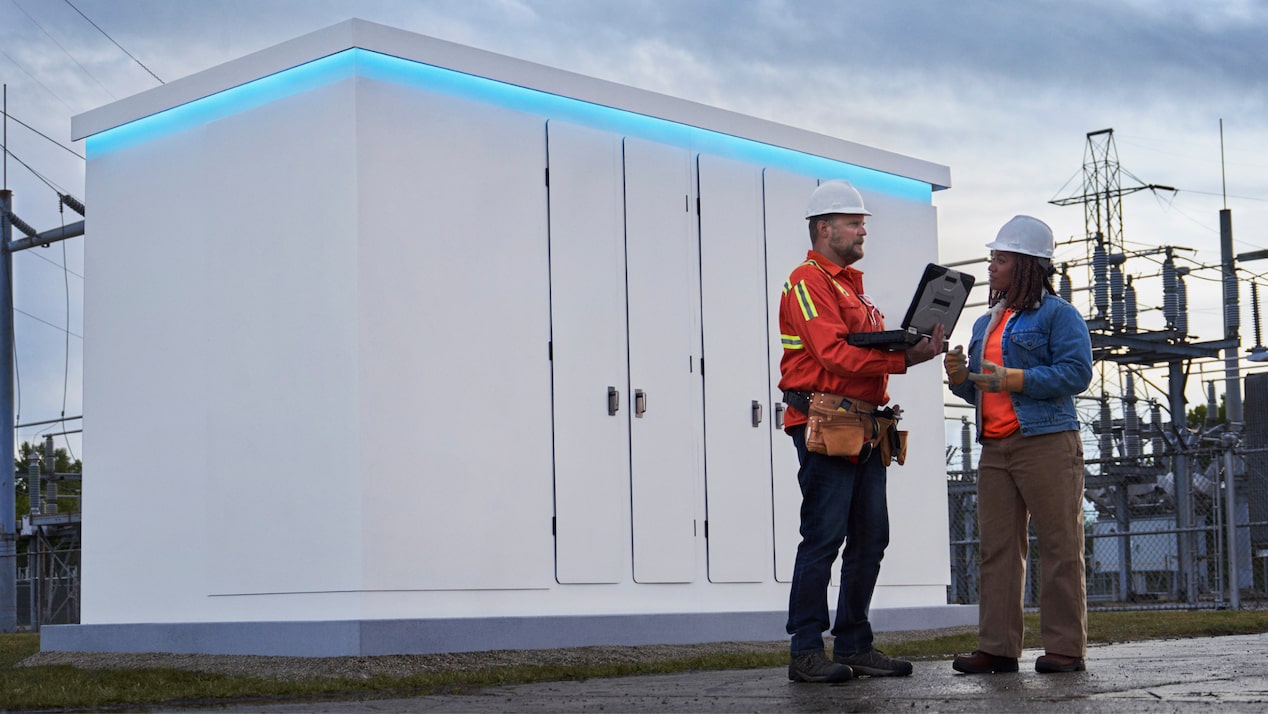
(1027, 359)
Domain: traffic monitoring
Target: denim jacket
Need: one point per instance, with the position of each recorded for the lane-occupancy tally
(1050, 341)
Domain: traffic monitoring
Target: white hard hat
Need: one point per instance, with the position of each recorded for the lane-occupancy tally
(835, 197)
(1025, 235)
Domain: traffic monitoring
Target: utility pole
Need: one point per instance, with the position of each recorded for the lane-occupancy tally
(8, 493)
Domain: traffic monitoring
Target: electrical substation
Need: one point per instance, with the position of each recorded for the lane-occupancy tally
(1177, 509)
(1178, 512)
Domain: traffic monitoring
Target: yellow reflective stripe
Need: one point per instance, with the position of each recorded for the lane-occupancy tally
(787, 287)
(834, 280)
(808, 310)
(791, 342)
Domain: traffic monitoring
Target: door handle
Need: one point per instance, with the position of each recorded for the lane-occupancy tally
(757, 413)
(779, 415)
(614, 401)
(640, 403)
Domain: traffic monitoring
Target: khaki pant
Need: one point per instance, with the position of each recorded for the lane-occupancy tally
(1040, 478)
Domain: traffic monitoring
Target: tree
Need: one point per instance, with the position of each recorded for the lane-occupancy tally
(1197, 416)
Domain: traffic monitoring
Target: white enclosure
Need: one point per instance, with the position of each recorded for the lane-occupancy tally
(399, 346)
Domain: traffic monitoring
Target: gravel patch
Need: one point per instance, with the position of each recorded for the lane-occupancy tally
(295, 668)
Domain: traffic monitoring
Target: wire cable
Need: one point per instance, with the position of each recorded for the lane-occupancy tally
(10, 116)
(116, 44)
(34, 78)
(59, 328)
(66, 354)
(47, 182)
(62, 48)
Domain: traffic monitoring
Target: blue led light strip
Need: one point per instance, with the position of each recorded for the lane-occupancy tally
(374, 65)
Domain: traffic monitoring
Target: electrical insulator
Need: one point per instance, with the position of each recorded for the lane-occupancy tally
(1100, 283)
(1131, 421)
(1117, 308)
(1182, 302)
(1129, 307)
(1106, 428)
(1169, 298)
(966, 445)
(1064, 288)
(1258, 353)
(1155, 421)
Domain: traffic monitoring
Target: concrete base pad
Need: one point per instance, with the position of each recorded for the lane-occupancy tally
(368, 638)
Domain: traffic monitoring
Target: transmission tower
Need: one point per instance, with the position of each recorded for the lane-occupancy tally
(1103, 192)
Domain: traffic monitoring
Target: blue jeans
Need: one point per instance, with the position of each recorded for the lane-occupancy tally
(840, 502)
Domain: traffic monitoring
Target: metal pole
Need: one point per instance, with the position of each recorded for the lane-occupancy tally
(1230, 522)
(1180, 466)
(1232, 324)
(8, 496)
(1232, 398)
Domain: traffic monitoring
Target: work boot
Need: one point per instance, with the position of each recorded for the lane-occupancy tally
(983, 663)
(874, 663)
(817, 668)
(1052, 663)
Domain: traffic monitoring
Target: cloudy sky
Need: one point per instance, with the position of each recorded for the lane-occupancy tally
(1002, 92)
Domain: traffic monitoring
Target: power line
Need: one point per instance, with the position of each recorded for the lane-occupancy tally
(116, 44)
(42, 134)
(34, 78)
(62, 48)
(59, 328)
(37, 174)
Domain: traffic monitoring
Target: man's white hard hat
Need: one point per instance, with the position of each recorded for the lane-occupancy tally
(1025, 235)
(835, 197)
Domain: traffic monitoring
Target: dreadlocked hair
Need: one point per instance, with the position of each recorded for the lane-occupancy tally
(1032, 276)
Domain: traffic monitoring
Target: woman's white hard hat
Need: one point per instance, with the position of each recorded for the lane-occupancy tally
(1025, 235)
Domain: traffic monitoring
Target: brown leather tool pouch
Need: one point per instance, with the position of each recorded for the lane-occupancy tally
(835, 431)
(891, 441)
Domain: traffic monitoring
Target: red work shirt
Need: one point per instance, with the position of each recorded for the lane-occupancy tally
(822, 303)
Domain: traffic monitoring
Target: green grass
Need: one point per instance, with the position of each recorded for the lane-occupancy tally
(68, 688)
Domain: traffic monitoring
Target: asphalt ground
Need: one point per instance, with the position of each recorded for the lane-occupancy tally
(1214, 674)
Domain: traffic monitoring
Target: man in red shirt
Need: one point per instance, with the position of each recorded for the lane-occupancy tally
(843, 498)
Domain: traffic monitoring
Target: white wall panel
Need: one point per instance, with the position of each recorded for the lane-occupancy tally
(787, 240)
(736, 375)
(280, 500)
(902, 238)
(454, 367)
(590, 348)
(145, 355)
(664, 302)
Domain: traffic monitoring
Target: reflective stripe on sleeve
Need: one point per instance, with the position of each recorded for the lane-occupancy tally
(791, 342)
(808, 310)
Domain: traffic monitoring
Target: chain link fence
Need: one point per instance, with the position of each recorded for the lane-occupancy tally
(1174, 519)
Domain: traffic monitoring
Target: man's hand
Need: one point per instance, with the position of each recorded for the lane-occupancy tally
(995, 378)
(926, 349)
(956, 365)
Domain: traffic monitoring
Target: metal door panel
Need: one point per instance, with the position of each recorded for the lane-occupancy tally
(589, 347)
(737, 372)
(787, 240)
(664, 301)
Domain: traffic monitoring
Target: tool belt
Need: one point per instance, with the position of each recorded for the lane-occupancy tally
(841, 426)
